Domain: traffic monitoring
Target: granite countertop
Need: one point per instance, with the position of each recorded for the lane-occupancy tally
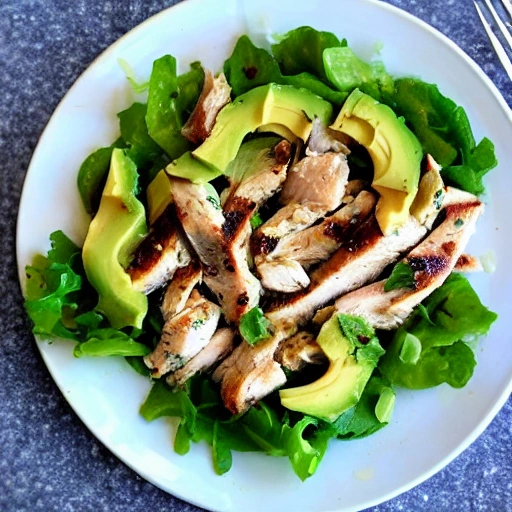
(48, 459)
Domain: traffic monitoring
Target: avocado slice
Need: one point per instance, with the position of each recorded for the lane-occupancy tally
(266, 106)
(280, 109)
(395, 151)
(113, 233)
(353, 351)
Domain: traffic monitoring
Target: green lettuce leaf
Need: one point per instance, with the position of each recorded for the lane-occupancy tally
(444, 131)
(450, 315)
(402, 276)
(137, 87)
(109, 342)
(163, 117)
(163, 401)
(305, 455)
(301, 50)
(134, 132)
(51, 288)
(249, 67)
(92, 176)
(361, 420)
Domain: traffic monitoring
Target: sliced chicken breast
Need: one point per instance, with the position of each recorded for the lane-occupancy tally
(184, 335)
(314, 186)
(359, 260)
(432, 262)
(160, 254)
(284, 270)
(249, 374)
(300, 350)
(180, 288)
(216, 94)
(220, 346)
(317, 181)
(221, 238)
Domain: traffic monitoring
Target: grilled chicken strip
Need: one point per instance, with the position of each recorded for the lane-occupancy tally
(180, 288)
(219, 346)
(285, 268)
(360, 259)
(215, 95)
(300, 350)
(314, 186)
(432, 262)
(249, 374)
(184, 335)
(160, 254)
(221, 239)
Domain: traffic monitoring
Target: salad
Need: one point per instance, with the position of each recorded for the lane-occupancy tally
(278, 247)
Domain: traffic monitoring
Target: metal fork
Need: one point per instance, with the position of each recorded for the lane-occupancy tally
(502, 25)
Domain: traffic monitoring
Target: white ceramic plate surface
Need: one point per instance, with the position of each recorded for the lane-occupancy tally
(429, 428)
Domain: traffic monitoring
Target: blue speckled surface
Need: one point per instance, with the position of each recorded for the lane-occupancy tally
(48, 459)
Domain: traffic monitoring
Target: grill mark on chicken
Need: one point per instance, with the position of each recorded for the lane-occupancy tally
(262, 244)
(236, 211)
(432, 262)
(359, 260)
(468, 263)
(159, 254)
(214, 96)
(284, 271)
(180, 288)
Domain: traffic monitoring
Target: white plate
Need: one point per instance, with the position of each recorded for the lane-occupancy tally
(428, 428)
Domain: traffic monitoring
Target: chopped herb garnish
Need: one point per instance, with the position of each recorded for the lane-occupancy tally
(459, 223)
(254, 327)
(402, 276)
(438, 199)
(214, 202)
(256, 221)
(197, 323)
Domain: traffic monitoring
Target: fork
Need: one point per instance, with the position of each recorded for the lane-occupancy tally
(501, 24)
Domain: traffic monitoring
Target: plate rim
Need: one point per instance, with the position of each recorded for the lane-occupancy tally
(493, 408)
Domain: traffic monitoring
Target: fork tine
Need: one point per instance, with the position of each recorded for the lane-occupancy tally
(508, 6)
(498, 47)
(501, 25)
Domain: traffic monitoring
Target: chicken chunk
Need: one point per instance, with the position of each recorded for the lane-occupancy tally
(317, 182)
(300, 350)
(160, 254)
(284, 270)
(249, 374)
(219, 347)
(216, 94)
(432, 262)
(184, 335)
(180, 288)
(315, 186)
